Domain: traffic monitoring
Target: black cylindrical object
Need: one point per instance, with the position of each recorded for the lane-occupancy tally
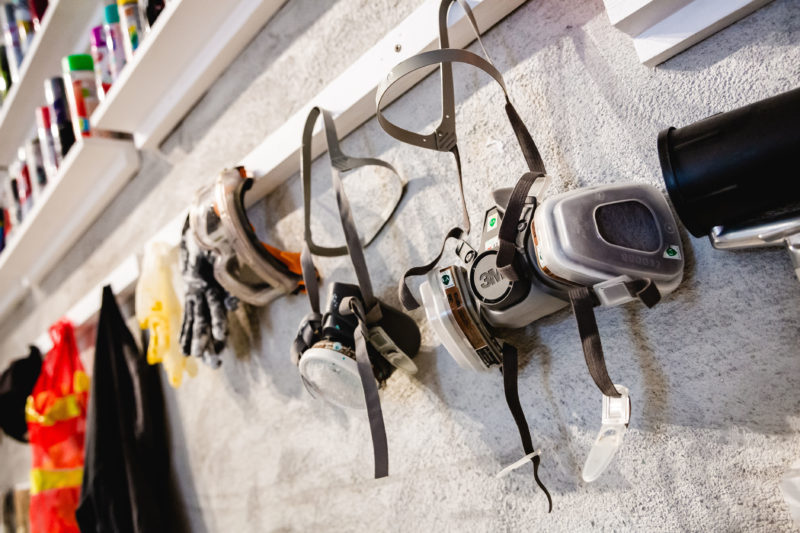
(733, 166)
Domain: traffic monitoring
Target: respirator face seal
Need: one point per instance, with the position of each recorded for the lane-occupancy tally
(246, 267)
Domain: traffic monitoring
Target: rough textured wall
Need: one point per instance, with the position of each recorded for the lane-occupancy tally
(712, 370)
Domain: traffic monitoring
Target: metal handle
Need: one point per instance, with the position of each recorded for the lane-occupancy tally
(783, 232)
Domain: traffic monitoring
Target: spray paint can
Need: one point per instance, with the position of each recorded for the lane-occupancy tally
(151, 9)
(51, 158)
(8, 20)
(24, 186)
(81, 88)
(61, 126)
(37, 7)
(24, 25)
(33, 152)
(102, 64)
(114, 41)
(14, 207)
(5, 73)
(132, 25)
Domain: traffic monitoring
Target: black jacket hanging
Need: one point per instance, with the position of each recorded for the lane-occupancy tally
(126, 469)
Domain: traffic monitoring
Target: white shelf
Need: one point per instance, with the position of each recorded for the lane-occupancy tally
(65, 30)
(190, 45)
(664, 28)
(635, 16)
(91, 175)
(351, 97)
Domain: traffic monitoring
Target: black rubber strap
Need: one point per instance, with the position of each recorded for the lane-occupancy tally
(512, 399)
(508, 227)
(310, 278)
(354, 247)
(529, 150)
(583, 303)
(645, 290)
(380, 445)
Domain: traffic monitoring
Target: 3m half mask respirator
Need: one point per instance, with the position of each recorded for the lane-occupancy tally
(733, 177)
(247, 268)
(346, 353)
(595, 246)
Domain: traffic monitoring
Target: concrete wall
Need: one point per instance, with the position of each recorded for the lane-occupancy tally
(712, 370)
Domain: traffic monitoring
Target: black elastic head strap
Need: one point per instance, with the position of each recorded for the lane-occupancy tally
(508, 227)
(342, 163)
(583, 303)
(510, 371)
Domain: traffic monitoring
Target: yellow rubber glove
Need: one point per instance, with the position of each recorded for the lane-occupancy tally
(159, 310)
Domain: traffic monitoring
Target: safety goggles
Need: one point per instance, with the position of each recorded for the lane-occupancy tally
(249, 269)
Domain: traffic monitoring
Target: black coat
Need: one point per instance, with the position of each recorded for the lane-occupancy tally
(126, 482)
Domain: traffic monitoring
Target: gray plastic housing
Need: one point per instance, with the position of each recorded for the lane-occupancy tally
(569, 244)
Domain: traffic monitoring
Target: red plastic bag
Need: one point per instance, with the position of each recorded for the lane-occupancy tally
(56, 415)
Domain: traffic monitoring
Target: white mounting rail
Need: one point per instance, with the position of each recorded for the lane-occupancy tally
(65, 30)
(688, 26)
(190, 45)
(664, 28)
(93, 172)
(635, 16)
(351, 98)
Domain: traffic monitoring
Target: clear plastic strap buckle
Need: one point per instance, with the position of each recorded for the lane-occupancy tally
(390, 351)
(615, 417)
(613, 292)
(513, 466)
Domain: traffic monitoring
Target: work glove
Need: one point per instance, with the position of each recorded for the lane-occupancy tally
(205, 312)
(158, 310)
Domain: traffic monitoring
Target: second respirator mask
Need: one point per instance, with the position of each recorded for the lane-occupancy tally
(344, 354)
